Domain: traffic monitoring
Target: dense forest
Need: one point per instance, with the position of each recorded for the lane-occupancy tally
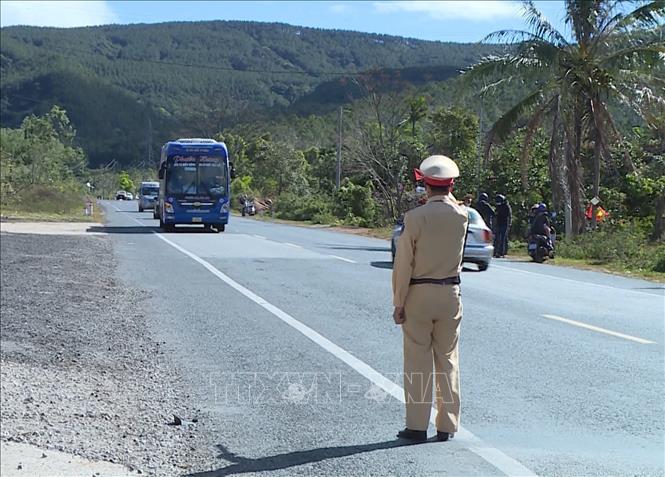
(129, 86)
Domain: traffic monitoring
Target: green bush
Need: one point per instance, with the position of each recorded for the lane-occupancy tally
(355, 205)
(625, 244)
(291, 206)
(659, 259)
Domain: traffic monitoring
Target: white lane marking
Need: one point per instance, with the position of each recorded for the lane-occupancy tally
(495, 457)
(292, 245)
(116, 209)
(578, 281)
(348, 260)
(259, 237)
(599, 329)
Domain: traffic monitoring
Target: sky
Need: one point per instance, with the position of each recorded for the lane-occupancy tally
(459, 21)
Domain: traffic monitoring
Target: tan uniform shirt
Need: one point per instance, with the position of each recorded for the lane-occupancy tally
(431, 244)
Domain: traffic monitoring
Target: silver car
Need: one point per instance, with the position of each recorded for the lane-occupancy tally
(147, 196)
(478, 248)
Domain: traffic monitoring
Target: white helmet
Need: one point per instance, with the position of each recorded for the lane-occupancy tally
(437, 170)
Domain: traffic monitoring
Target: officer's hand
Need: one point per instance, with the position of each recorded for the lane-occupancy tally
(398, 315)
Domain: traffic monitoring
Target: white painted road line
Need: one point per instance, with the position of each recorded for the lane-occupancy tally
(599, 329)
(292, 245)
(598, 285)
(495, 457)
(259, 237)
(348, 260)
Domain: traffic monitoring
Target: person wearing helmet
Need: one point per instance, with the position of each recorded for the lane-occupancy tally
(541, 223)
(485, 209)
(502, 221)
(426, 296)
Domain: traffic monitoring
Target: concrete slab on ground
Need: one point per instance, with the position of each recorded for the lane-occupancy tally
(22, 460)
(52, 228)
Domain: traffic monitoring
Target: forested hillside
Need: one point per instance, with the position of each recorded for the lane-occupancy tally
(126, 85)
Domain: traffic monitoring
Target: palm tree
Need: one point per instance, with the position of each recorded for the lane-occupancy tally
(609, 55)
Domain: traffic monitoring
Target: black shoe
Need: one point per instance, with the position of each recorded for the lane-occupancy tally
(416, 436)
(444, 436)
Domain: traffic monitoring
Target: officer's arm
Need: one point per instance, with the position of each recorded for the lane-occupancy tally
(403, 266)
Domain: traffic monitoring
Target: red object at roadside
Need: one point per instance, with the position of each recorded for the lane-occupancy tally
(601, 214)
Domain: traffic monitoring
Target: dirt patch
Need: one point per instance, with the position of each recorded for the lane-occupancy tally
(80, 373)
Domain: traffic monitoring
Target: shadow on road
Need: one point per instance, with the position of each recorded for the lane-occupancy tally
(138, 229)
(389, 266)
(381, 264)
(242, 465)
(366, 249)
(132, 229)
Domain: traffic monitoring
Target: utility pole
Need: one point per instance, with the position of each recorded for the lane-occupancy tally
(339, 148)
(480, 142)
(150, 142)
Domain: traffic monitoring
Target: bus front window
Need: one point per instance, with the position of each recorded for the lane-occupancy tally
(181, 180)
(200, 176)
(212, 179)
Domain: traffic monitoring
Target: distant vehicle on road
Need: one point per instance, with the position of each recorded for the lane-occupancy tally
(478, 248)
(148, 195)
(130, 196)
(121, 195)
(194, 184)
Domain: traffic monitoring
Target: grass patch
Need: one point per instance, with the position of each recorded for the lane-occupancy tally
(622, 250)
(48, 204)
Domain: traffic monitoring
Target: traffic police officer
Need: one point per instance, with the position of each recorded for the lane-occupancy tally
(426, 296)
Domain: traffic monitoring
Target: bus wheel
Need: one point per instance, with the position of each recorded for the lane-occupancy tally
(166, 227)
(221, 228)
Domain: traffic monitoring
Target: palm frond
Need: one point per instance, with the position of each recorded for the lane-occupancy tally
(502, 127)
(513, 36)
(649, 55)
(646, 16)
(540, 26)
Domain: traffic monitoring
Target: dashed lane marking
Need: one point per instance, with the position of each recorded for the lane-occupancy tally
(347, 260)
(599, 329)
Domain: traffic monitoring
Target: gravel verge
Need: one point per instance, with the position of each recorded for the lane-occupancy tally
(79, 371)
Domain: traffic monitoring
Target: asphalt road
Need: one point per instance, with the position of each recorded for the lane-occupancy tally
(286, 338)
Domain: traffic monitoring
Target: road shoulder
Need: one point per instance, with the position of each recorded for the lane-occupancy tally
(80, 371)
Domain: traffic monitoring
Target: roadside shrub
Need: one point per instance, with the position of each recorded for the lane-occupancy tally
(48, 199)
(659, 259)
(324, 218)
(355, 205)
(606, 244)
(624, 243)
(291, 206)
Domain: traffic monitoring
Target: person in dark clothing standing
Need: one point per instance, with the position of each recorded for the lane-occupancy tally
(485, 209)
(502, 220)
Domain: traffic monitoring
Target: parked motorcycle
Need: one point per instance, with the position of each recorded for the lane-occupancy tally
(248, 207)
(541, 247)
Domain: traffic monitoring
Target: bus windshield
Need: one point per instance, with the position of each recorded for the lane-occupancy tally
(197, 176)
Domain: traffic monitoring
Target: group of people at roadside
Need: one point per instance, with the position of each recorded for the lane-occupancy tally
(497, 219)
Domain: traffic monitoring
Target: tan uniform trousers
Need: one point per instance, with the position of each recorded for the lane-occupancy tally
(431, 334)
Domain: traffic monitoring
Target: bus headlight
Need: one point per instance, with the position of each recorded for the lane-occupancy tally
(168, 208)
(225, 208)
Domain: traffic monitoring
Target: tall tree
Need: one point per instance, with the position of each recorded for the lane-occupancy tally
(570, 78)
